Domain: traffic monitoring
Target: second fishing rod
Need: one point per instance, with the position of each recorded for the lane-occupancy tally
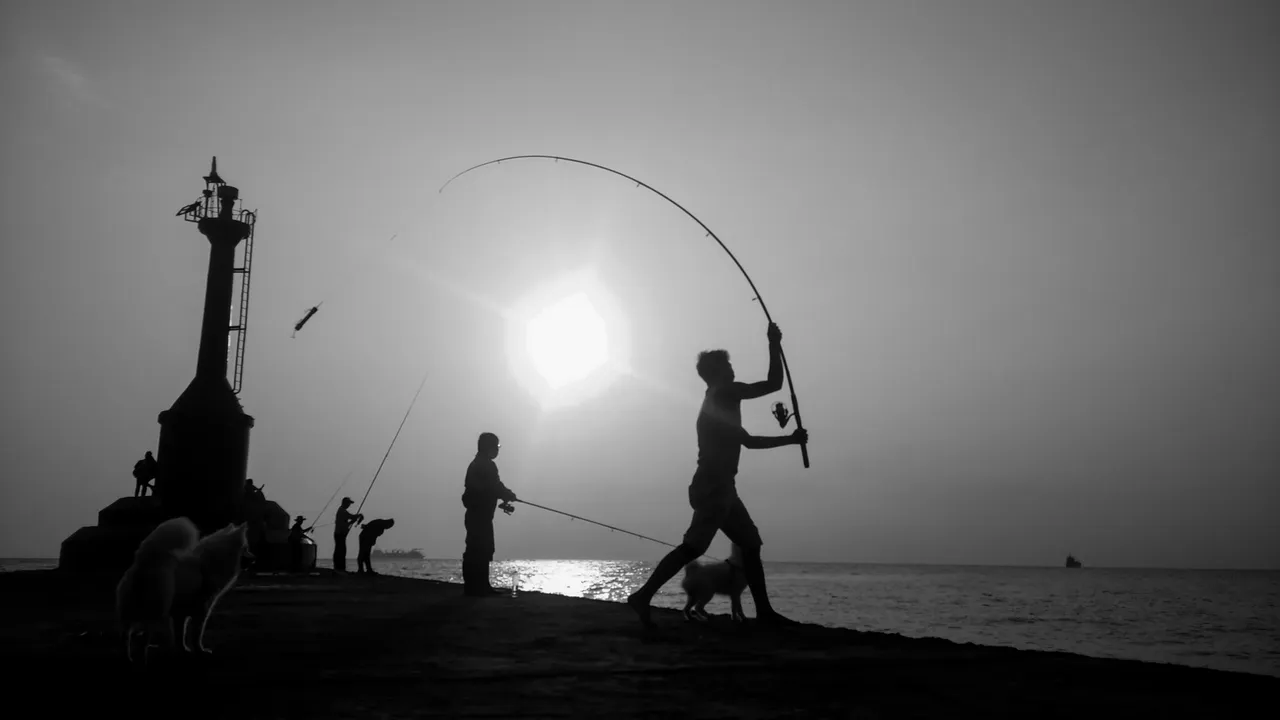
(392, 445)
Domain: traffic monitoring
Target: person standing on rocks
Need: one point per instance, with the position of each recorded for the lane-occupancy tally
(144, 472)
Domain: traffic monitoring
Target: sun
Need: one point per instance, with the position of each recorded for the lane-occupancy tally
(567, 340)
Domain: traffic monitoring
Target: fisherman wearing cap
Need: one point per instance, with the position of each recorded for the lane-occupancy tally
(368, 536)
(296, 535)
(483, 491)
(340, 529)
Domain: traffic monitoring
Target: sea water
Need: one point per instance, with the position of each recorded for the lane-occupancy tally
(1229, 619)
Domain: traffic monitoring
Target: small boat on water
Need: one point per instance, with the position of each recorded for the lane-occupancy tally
(1072, 562)
(414, 554)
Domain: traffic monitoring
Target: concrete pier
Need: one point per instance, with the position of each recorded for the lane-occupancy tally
(325, 647)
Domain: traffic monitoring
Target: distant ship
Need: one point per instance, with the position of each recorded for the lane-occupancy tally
(1072, 562)
(414, 554)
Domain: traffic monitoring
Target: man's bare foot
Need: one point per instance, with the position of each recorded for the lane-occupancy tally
(641, 606)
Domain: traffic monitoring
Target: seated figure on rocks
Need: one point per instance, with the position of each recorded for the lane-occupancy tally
(297, 535)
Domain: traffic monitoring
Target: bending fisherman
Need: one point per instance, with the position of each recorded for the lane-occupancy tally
(369, 535)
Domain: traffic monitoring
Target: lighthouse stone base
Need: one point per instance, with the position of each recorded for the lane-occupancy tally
(108, 547)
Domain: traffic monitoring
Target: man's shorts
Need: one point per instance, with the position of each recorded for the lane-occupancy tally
(717, 507)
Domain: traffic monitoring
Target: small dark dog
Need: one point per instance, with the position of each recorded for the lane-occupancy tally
(703, 582)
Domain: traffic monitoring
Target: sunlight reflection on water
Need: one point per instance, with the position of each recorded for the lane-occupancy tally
(1227, 620)
(598, 580)
(611, 580)
(593, 579)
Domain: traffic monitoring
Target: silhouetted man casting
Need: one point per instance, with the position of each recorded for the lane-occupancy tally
(713, 493)
(144, 471)
(369, 535)
(341, 527)
(483, 491)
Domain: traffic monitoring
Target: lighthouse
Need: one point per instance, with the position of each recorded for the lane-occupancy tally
(203, 452)
(204, 437)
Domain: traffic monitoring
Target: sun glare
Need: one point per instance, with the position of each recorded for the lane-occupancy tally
(567, 341)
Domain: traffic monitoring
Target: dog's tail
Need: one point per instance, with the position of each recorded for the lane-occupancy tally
(169, 538)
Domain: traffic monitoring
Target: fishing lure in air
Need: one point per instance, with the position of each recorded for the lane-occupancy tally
(804, 449)
(304, 319)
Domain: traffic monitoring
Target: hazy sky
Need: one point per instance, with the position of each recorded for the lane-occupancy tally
(1025, 255)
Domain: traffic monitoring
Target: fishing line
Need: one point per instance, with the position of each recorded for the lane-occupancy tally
(409, 224)
(604, 525)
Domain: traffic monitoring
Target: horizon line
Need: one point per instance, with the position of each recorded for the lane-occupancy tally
(54, 561)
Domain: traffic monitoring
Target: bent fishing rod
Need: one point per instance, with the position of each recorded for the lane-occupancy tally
(393, 443)
(779, 413)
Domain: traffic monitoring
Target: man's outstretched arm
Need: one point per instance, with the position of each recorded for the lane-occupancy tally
(757, 442)
(505, 493)
(773, 383)
(500, 489)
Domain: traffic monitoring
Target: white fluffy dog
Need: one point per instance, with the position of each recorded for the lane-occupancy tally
(178, 577)
(703, 582)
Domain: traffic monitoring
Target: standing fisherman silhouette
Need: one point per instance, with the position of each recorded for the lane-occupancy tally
(713, 493)
(483, 490)
(144, 472)
(342, 526)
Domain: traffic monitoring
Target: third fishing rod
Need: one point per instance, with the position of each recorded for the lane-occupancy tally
(393, 443)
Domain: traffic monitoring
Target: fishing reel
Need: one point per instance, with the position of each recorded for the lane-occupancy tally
(781, 414)
(507, 507)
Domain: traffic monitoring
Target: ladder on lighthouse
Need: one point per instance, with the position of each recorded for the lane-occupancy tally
(242, 315)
